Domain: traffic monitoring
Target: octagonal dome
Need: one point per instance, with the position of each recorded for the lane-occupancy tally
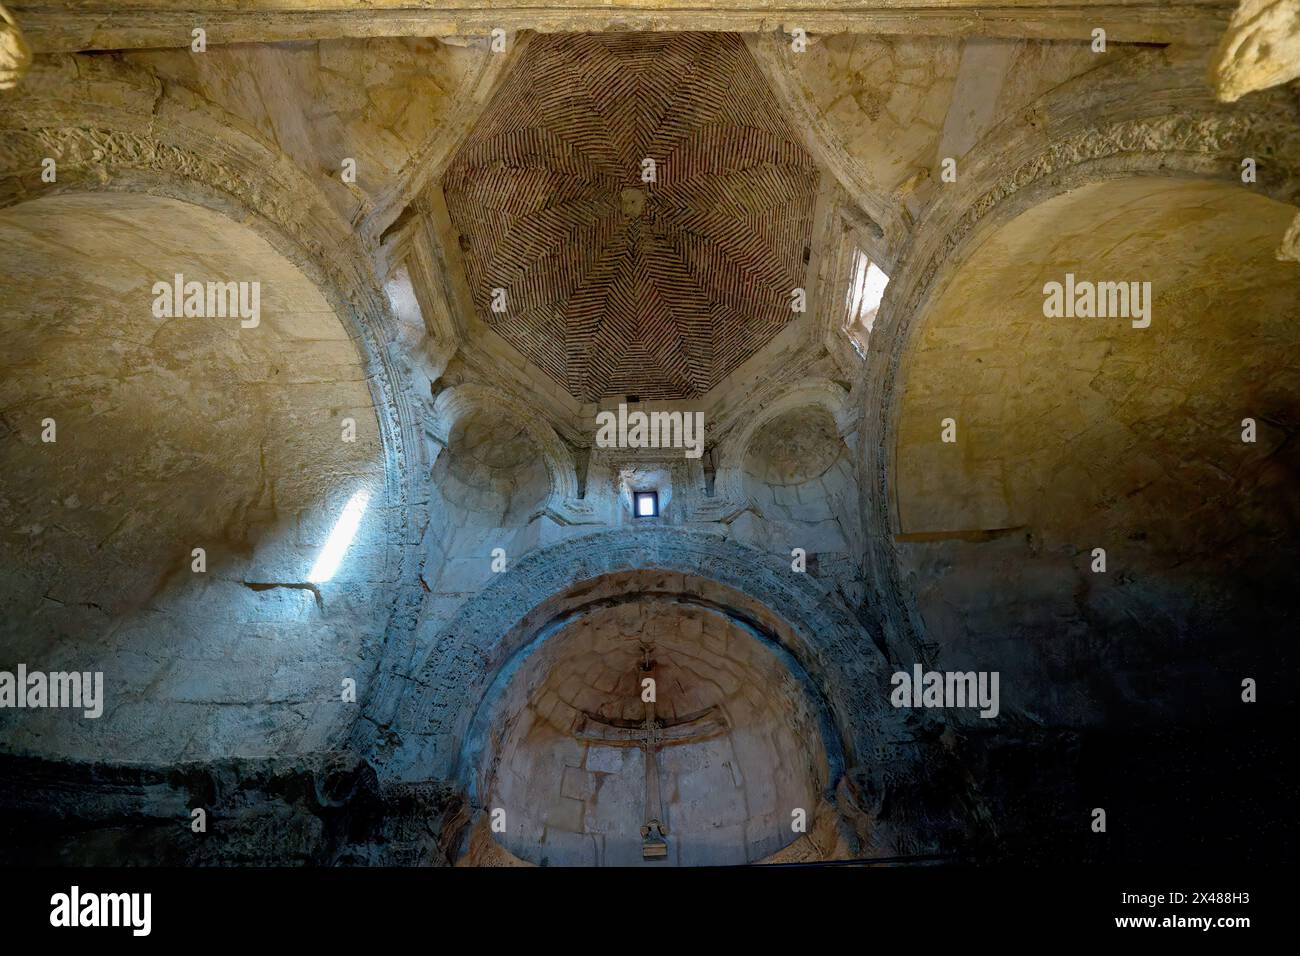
(613, 276)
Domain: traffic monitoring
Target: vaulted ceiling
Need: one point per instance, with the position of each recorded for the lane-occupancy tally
(612, 284)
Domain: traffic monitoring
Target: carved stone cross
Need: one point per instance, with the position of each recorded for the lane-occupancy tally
(650, 733)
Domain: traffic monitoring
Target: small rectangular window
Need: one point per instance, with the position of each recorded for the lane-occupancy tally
(647, 504)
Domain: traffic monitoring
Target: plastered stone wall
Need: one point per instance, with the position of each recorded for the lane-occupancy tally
(174, 434)
(1083, 433)
(727, 796)
(802, 491)
(383, 103)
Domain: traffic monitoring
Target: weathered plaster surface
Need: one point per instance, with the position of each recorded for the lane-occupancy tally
(1064, 158)
(727, 799)
(1090, 433)
(175, 434)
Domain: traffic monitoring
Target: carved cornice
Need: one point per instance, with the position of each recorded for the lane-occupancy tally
(78, 25)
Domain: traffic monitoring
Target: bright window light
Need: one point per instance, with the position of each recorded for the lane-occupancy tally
(647, 504)
(866, 289)
(337, 545)
(873, 290)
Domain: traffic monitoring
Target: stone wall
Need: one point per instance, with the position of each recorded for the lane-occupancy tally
(973, 554)
(1092, 433)
(173, 434)
(755, 755)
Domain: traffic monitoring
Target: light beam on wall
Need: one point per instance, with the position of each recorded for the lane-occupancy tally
(345, 529)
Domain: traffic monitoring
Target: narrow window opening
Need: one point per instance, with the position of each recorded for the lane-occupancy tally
(647, 504)
(867, 283)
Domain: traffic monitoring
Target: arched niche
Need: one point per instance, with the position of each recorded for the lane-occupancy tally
(741, 766)
(798, 471)
(1076, 434)
(173, 433)
(463, 412)
(491, 473)
(433, 708)
(735, 446)
(1089, 130)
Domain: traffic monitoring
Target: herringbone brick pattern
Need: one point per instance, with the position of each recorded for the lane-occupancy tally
(615, 285)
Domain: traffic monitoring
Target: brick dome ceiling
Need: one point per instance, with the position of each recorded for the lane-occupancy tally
(614, 285)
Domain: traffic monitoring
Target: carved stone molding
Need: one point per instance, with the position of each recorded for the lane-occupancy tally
(111, 127)
(437, 698)
(93, 158)
(166, 23)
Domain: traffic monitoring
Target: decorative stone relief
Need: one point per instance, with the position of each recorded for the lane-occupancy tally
(479, 644)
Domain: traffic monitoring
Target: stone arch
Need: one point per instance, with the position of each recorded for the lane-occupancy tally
(182, 438)
(612, 591)
(436, 702)
(98, 119)
(1073, 136)
(1094, 434)
(768, 744)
